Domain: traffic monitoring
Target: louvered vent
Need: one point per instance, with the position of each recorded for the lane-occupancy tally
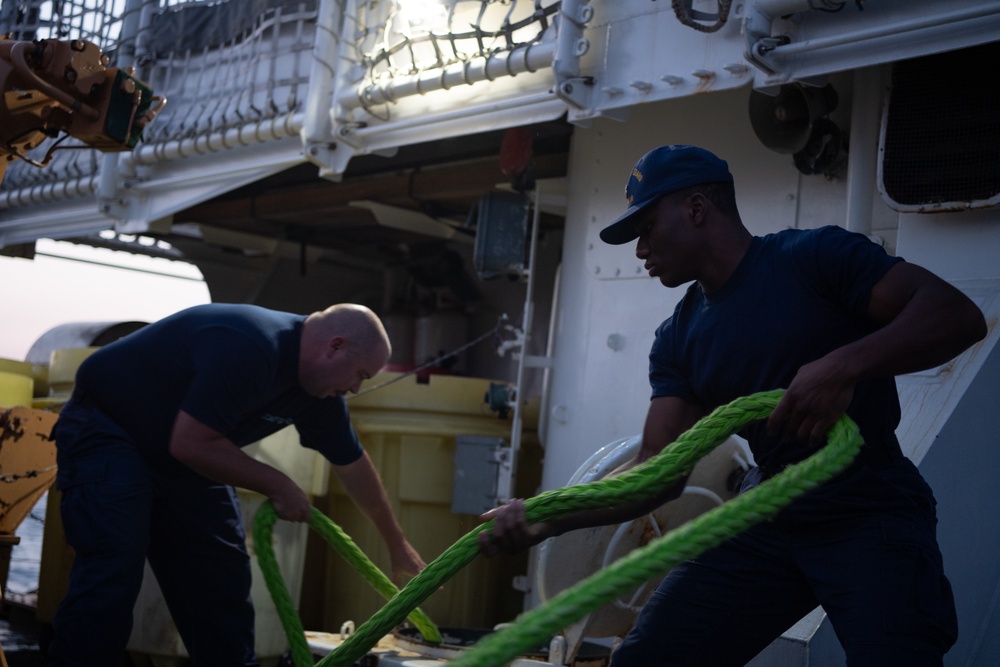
(940, 147)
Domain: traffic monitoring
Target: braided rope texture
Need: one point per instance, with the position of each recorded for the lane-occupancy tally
(654, 559)
(659, 556)
(263, 528)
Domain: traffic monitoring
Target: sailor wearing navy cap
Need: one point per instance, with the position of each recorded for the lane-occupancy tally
(831, 317)
(660, 171)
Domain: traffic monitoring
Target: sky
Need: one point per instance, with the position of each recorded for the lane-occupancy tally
(66, 282)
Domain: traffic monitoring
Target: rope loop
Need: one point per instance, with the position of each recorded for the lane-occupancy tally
(653, 560)
(263, 529)
(684, 542)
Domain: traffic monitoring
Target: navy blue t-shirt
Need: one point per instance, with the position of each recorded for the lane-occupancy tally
(795, 296)
(232, 367)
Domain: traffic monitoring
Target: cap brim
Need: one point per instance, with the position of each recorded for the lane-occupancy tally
(623, 229)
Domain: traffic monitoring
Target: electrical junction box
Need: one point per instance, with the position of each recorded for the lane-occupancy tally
(479, 463)
(501, 221)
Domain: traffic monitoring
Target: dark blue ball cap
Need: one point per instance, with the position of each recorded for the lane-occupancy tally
(662, 170)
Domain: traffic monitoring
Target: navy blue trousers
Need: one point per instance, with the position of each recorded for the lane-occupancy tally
(865, 549)
(118, 510)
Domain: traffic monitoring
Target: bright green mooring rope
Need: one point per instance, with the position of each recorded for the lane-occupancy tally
(263, 527)
(656, 558)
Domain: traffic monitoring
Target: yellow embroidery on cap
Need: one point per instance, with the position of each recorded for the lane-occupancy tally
(636, 174)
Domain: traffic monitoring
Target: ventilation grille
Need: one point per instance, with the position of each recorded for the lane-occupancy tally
(941, 135)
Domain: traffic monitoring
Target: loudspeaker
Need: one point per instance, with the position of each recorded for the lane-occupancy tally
(784, 122)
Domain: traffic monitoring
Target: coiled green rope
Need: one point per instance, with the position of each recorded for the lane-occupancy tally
(654, 559)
